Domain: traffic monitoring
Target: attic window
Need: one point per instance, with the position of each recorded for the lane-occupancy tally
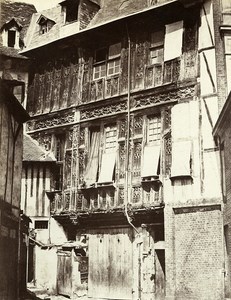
(43, 28)
(11, 38)
(71, 8)
(45, 25)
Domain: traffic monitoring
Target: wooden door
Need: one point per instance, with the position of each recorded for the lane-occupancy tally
(152, 268)
(64, 273)
(110, 263)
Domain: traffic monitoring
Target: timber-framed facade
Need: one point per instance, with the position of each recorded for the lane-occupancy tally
(128, 118)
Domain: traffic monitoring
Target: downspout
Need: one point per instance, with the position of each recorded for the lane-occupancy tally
(127, 171)
(218, 142)
(128, 133)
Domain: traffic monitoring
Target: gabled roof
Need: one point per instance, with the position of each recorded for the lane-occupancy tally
(43, 18)
(11, 23)
(33, 38)
(33, 152)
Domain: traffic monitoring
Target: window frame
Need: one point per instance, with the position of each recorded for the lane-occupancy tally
(13, 38)
(227, 50)
(157, 128)
(106, 61)
(44, 222)
(156, 45)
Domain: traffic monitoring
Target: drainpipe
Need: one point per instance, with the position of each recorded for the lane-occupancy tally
(218, 142)
(127, 171)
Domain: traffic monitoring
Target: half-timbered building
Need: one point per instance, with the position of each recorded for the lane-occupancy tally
(125, 95)
(12, 235)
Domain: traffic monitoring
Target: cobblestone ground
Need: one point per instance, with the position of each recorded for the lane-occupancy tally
(37, 295)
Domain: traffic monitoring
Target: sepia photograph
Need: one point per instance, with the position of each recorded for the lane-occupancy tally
(115, 149)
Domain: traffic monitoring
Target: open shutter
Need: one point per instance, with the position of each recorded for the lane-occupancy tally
(151, 158)
(173, 36)
(184, 128)
(107, 167)
(93, 161)
(181, 156)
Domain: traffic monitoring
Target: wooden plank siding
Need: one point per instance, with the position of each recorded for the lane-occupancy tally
(36, 180)
(110, 263)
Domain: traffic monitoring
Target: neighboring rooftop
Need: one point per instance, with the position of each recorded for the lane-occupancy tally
(17, 12)
(33, 152)
(109, 11)
(112, 10)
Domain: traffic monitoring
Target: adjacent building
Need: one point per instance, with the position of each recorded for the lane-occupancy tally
(15, 19)
(222, 134)
(13, 115)
(125, 95)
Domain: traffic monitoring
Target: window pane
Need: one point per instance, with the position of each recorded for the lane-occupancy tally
(228, 44)
(114, 50)
(156, 55)
(114, 66)
(11, 38)
(157, 38)
(99, 71)
(100, 54)
(154, 128)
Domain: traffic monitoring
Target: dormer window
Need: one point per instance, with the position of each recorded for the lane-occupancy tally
(10, 34)
(11, 38)
(45, 24)
(70, 8)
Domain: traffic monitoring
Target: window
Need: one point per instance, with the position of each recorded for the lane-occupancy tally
(59, 155)
(108, 158)
(107, 61)
(154, 129)
(90, 176)
(41, 224)
(227, 40)
(99, 71)
(71, 7)
(43, 28)
(157, 47)
(110, 138)
(151, 155)
(114, 59)
(11, 38)
(113, 66)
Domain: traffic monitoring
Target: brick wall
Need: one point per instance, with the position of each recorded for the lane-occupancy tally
(198, 253)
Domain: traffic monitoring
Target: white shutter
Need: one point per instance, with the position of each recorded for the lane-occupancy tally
(173, 40)
(181, 155)
(151, 159)
(107, 167)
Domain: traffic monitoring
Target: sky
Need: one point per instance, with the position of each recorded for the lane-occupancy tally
(41, 4)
